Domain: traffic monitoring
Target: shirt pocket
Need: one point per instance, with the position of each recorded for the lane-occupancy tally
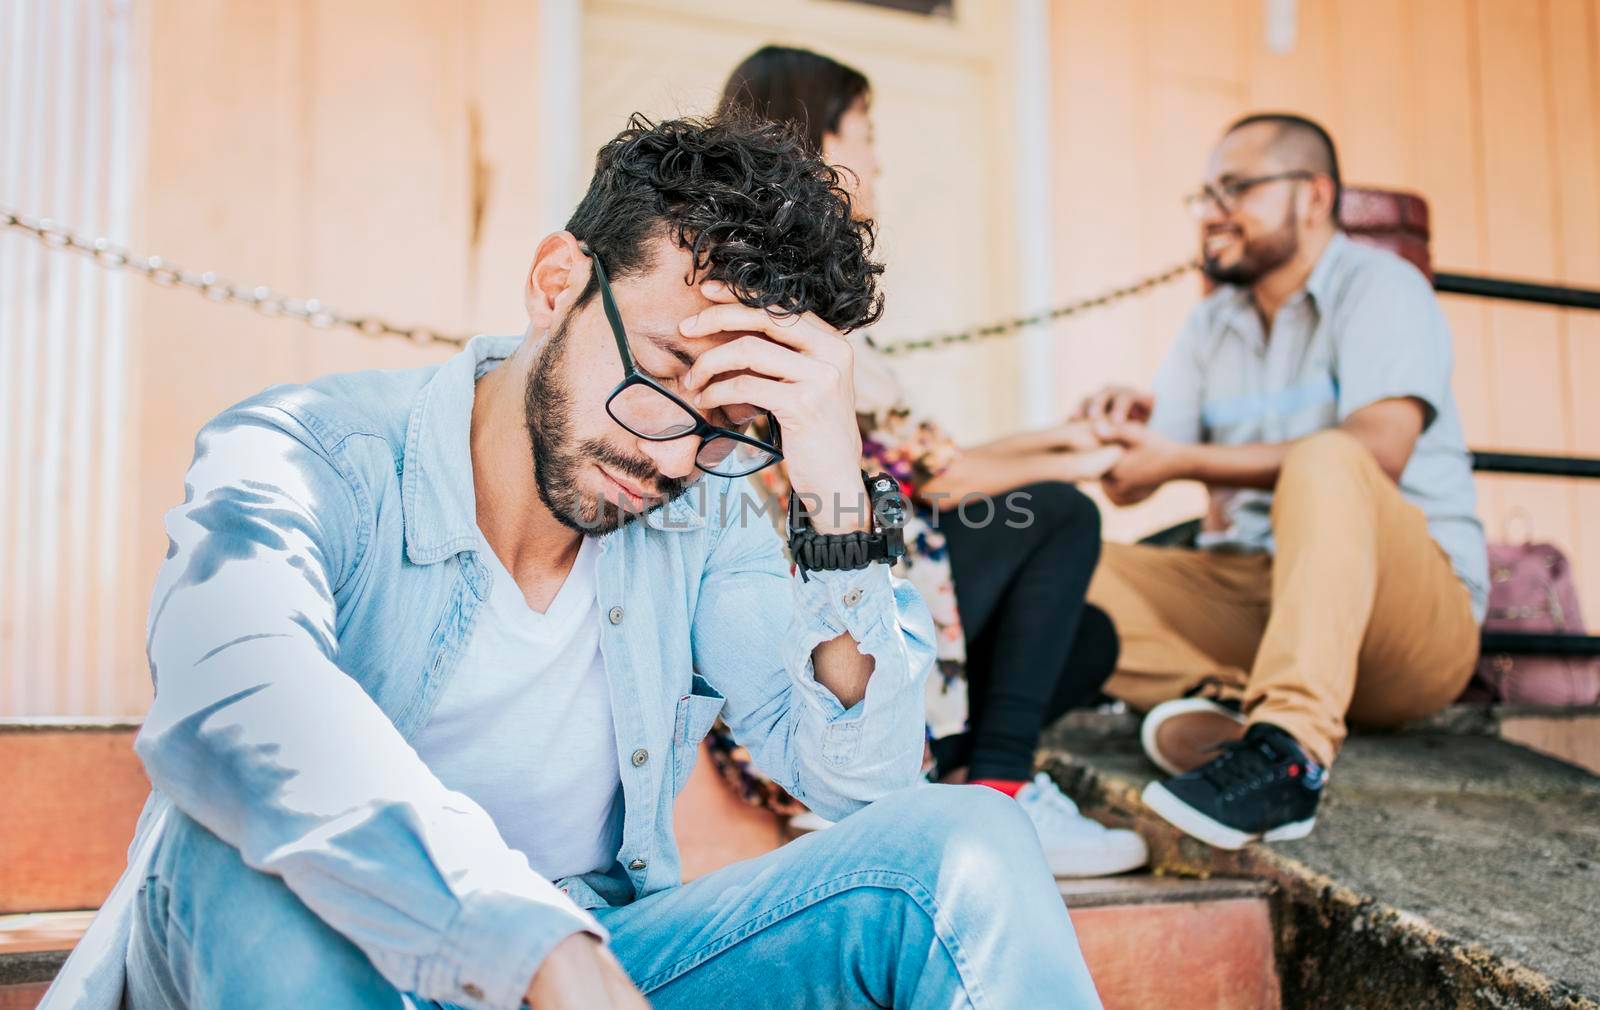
(697, 710)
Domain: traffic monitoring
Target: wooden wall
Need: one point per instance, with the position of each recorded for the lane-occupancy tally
(1488, 108)
(66, 67)
(379, 155)
(385, 156)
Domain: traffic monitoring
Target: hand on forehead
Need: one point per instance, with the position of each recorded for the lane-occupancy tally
(671, 309)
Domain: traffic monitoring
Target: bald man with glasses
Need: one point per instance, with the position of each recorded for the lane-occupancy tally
(1340, 575)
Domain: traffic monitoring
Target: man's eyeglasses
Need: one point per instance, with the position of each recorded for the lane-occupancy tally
(647, 409)
(1225, 195)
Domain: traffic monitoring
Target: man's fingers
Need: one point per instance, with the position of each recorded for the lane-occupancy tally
(1079, 435)
(804, 333)
(1123, 406)
(756, 354)
(1094, 407)
(1130, 433)
(1093, 464)
(621, 993)
(732, 317)
(1116, 404)
(718, 291)
(1130, 405)
(577, 975)
(757, 390)
(1136, 405)
(1103, 402)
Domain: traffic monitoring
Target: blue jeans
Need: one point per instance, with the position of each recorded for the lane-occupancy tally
(937, 896)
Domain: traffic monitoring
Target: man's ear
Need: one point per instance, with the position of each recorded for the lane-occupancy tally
(1319, 199)
(558, 276)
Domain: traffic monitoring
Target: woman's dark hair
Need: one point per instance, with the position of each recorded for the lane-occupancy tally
(795, 86)
(758, 210)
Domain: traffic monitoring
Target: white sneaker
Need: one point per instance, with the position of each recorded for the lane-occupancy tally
(1074, 845)
(807, 821)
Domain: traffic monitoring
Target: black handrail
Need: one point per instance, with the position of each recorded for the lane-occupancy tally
(1537, 466)
(1516, 291)
(1525, 643)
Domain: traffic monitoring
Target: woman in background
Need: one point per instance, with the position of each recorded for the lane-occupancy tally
(1008, 601)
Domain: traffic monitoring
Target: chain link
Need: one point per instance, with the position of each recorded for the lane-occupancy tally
(1007, 327)
(263, 299)
(314, 313)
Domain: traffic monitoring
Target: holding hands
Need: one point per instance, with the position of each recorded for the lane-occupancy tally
(1106, 440)
(1112, 407)
(1119, 416)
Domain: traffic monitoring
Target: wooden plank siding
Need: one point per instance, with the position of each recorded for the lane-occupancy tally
(344, 150)
(329, 150)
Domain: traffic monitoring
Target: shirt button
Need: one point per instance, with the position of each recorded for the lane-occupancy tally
(640, 756)
(637, 864)
(852, 598)
(472, 991)
(615, 615)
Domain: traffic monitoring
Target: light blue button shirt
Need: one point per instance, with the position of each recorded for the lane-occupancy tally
(321, 581)
(1366, 327)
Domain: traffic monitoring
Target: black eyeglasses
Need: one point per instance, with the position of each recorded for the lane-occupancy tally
(647, 409)
(1226, 194)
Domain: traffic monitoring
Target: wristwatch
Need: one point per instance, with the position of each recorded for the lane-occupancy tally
(829, 552)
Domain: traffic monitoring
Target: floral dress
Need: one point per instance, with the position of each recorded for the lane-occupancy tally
(914, 450)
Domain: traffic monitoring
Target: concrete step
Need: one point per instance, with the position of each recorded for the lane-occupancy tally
(1167, 942)
(1449, 869)
(32, 949)
(69, 815)
(1149, 942)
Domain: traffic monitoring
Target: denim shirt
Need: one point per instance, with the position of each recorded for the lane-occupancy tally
(320, 584)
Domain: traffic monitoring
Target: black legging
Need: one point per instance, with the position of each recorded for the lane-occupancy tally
(1035, 649)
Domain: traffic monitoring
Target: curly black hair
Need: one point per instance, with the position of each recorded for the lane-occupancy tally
(747, 198)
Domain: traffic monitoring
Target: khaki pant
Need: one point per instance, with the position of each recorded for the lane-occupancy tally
(1359, 615)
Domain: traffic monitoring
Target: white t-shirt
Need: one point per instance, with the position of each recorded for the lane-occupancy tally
(524, 725)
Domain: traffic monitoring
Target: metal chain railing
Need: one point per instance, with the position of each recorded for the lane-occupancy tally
(1006, 327)
(315, 313)
(263, 299)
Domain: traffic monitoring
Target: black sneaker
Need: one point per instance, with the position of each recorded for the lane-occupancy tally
(1262, 787)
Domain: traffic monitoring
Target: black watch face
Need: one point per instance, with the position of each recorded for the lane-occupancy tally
(891, 513)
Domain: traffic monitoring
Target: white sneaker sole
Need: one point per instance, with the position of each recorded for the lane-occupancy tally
(1150, 729)
(1103, 862)
(1196, 824)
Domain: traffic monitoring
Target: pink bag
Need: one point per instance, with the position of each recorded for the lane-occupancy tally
(1531, 590)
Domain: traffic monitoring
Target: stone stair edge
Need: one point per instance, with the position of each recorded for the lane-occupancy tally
(1150, 890)
(1295, 883)
(69, 724)
(31, 966)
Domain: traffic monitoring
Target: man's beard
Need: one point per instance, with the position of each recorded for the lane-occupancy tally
(547, 411)
(1261, 256)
